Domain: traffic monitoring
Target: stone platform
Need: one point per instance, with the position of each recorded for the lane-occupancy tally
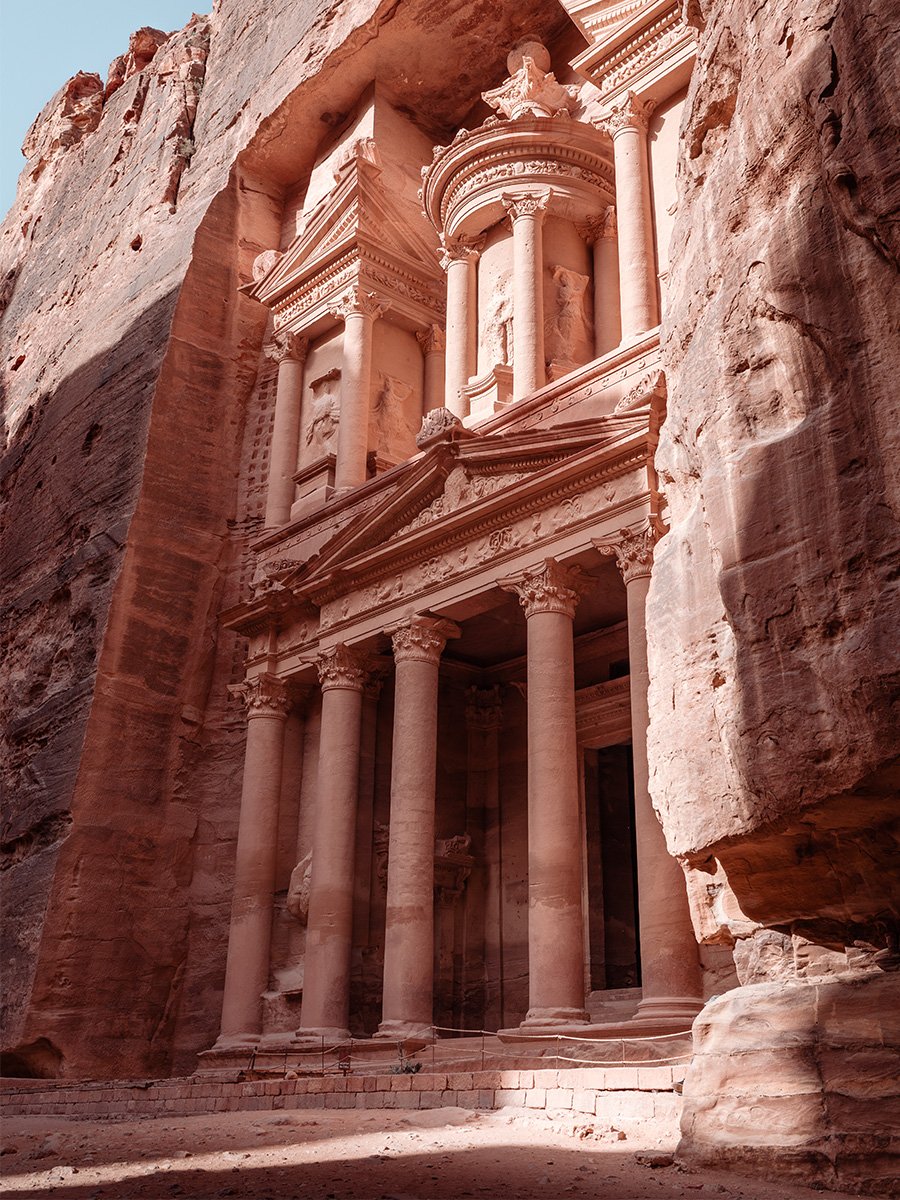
(619, 1097)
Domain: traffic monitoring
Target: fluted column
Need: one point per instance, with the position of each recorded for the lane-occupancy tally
(249, 935)
(329, 930)
(670, 965)
(289, 350)
(434, 346)
(549, 595)
(409, 927)
(600, 234)
(627, 125)
(461, 357)
(527, 215)
(359, 311)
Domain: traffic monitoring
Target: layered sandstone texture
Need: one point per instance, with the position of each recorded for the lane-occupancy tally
(773, 609)
(136, 447)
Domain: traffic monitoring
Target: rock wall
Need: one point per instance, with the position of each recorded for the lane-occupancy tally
(773, 610)
(135, 434)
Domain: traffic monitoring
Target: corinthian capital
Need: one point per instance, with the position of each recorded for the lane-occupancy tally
(341, 667)
(264, 696)
(356, 302)
(287, 347)
(432, 340)
(548, 587)
(633, 548)
(459, 250)
(630, 113)
(599, 227)
(421, 639)
(526, 204)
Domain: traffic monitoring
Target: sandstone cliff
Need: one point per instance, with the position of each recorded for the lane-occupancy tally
(774, 602)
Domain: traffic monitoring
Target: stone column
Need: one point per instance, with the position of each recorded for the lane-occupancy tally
(409, 927)
(527, 215)
(627, 125)
(600, 233)
(549, 595)
(433, 345)
(329, 929)
(358, 310)
(670, 964)
(289, 350)
(249, 936)
(458, 260)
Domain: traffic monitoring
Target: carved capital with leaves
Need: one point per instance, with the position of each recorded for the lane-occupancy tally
(548, 587)
(287, 347)
(432, 340)
(264, 696)
(358, 302)
(630, 113)
(340, 667)
(633, 550)
(526, 204)
(422, 639)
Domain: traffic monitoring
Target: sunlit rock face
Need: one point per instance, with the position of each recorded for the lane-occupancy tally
(773, 609)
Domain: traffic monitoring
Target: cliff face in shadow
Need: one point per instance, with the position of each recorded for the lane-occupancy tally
(774, 603)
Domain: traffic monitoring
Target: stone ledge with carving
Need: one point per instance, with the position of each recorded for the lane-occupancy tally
(649, 387)
(439, 424)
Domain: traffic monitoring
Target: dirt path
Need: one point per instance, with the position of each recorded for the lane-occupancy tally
(439, 1154)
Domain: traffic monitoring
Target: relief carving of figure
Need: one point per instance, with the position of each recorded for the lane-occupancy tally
(567, 329)
(325, 415)
(498, 326)
(298, 889)
(395, 431)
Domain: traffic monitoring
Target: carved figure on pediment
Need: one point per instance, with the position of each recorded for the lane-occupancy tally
(532, 90)
(263, 263)
(325, 412)
(297, 902)
(567, 329)
(395, 430)
(497, 330)
(436, 422)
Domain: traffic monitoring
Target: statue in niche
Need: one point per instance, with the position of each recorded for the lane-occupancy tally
(395, 432)
(567, 330)
(325, 414)
(498, 326)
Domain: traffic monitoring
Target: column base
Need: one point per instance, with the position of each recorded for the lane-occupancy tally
(317, 1035)
(545, 1018)
(667, 1008)
(236, 1041)
(398, 1031)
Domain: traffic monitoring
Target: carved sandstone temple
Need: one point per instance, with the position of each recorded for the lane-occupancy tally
(449, 568)
(445, 818)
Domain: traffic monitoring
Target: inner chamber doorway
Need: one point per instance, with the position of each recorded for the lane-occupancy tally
(613, 934)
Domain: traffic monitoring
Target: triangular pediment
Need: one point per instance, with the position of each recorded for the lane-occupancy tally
(360, 214)
(453, 479)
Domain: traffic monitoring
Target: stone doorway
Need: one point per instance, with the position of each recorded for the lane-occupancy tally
(613, 934)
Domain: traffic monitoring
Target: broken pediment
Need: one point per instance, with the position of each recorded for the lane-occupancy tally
(449, 482)
(359, 222)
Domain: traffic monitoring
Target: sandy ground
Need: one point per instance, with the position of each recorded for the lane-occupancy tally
(439, 1154)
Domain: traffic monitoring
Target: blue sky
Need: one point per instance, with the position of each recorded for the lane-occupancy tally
(44, 42)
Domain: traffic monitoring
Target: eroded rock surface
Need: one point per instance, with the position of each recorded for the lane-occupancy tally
(773, 610)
